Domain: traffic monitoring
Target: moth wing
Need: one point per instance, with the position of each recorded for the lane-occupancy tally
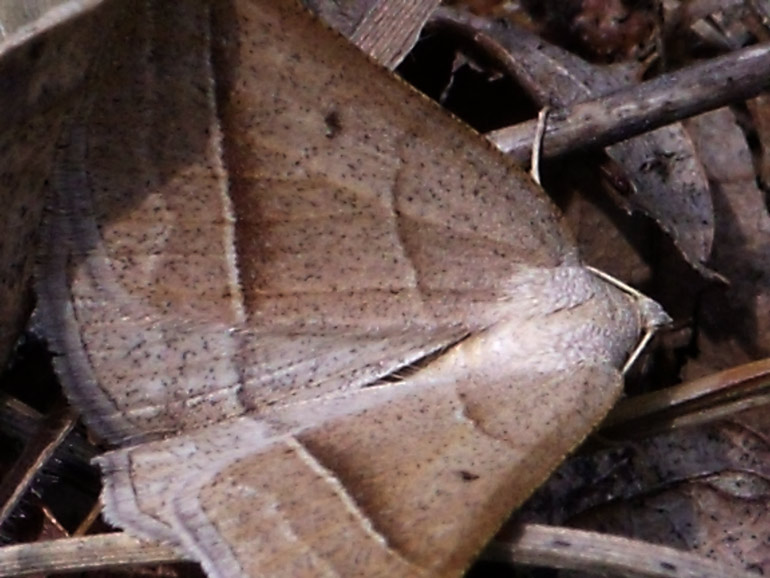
(254, 226)
(410, 480)
(248, 213)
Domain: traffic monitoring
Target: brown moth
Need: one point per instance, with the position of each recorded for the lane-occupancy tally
(328, 329)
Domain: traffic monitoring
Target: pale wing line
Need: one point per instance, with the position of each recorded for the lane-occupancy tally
(341, 185)
(75, 215)
(119, 492)
(215, 555)
(218, 557)
(347, 500)
(415, 281)
(310, 460)
(73, 203)
(223, 178)
(289, 534)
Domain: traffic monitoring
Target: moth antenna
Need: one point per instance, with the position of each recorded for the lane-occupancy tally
(653, 315)
(537, 144)
(617, 282)
(648, 335)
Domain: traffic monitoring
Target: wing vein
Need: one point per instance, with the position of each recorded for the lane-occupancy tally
(347, 500)
(223, 178)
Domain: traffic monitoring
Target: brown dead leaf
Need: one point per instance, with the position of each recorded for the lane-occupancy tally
(705, 489)
(601, 30)
(385, 29)
(759, 108)
(734, 320)
(609, 238)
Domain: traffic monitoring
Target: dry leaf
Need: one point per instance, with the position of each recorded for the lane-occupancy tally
(609, 238)
(385, 29)
(759, 108)
(734, 319)
(603, 30)
(328, 327)
(703, 489)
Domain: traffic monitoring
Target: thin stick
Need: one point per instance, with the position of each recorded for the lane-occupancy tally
(715, 396)
(537, 145)
(580, 550)
(80, 554)
(51, 433)
(644, 107)
(88, 521)
(631, 111)
(533, 544)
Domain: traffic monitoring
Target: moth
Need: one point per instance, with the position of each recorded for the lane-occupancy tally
(327, 329)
